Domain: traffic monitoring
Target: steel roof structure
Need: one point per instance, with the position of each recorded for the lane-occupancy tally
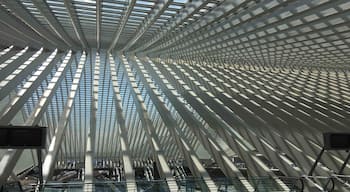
(123, 82)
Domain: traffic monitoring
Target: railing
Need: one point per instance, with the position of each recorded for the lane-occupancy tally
(192, 184)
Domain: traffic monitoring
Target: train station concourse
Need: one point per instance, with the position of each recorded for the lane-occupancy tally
(174, 95)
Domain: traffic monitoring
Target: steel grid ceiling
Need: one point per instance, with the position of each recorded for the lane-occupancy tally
(122, 82)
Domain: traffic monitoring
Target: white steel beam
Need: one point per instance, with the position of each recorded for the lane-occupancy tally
(218, 12)
(75, 23)
(214, 121)
(7, 53)
(278, 140)
(10, 57)
(122, 24)
(186, 12)
(10, 159)
(295, 145)
(158, 9)
(147, 124)
(90, 142)
(22, 13)
(255, 138)
(22, 96)
(241, 145)
(218, 148)
(223, 40)
(298, 154)
(5, 50)
(124, 144)
(8, 84)
(13, 37)
(7, 68)
(56, 141)
(187, 151)
(46, 12)
(16, 27)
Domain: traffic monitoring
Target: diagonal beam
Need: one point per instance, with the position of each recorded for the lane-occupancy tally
(122, 24)
(278, 139)
(226, 39)
(8, 84)
(5, 51)
(8, 162)
(199, 102)
(8, 53)
(22, 30)
(75, 23)
(159, 8)
(21, 12)
(218, 148)
(29, 87)
(16, 37)
(186, 12)
(183, 144)
(10, 57)
(295, 145)
(9, 67)
(124, 144)
(240, 144)
(215, 15)
(56, 141)
(46, 12)
(260, 143)
(147, 124)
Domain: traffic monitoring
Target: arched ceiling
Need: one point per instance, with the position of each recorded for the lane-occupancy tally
(269, 32)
